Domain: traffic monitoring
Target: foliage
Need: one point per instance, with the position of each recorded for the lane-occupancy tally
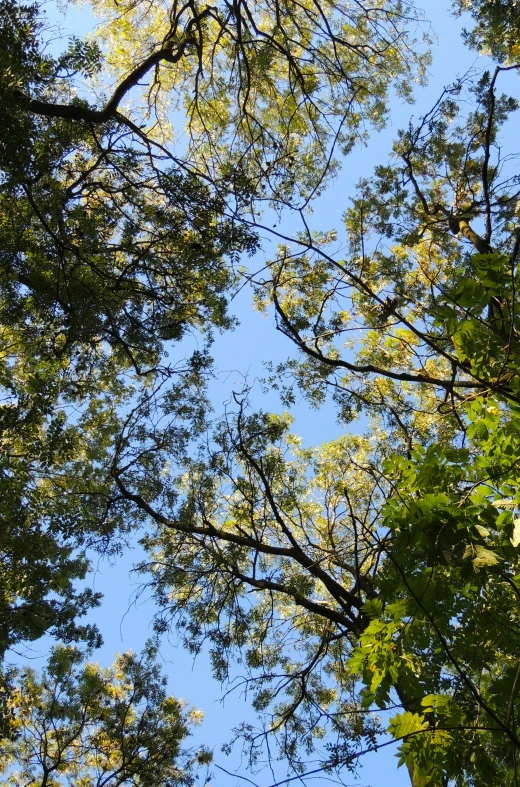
(496, 29)
(106, 255)
(367, 586)
(77, 723)
(389, 559)
(112, 246)
(269, 89)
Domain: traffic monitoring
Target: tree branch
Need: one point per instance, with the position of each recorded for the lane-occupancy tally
(84, 113)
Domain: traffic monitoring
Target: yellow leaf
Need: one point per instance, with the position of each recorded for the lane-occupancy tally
(516, 533)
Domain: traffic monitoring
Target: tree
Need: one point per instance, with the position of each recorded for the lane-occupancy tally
(113, 245)
(78, 723)
(106, 255)
(269, 90)
(389, 559)
(496, 28)
(366, 561)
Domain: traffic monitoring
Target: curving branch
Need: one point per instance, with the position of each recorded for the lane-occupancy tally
(219, 534)
(370, 368)
(84, 113)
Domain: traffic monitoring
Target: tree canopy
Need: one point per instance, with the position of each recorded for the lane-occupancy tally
(79, 724)
(369, 586)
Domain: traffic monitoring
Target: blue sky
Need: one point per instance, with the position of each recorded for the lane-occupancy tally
(124, 619)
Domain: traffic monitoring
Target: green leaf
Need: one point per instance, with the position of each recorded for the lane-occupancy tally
(406, 724)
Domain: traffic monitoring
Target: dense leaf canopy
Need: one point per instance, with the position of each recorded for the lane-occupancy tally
(79, 724)
(369, 585)
(106, 255)
(390, 558)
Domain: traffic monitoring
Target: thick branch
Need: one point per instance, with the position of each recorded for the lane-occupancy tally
(365, 368)
(78, 112)
(295, 552)
(336, 590)
(209, 529)
(461, 227)
(319, 609)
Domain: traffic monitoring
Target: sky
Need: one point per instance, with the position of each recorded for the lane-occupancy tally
(124, 618)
